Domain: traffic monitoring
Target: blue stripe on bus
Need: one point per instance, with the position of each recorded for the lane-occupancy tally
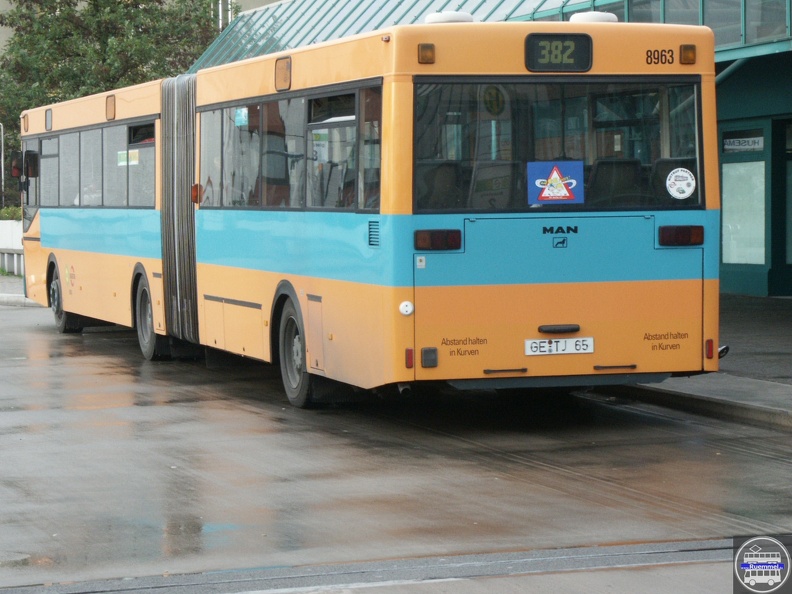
(568, 249)
(116, 231)
(335, 245)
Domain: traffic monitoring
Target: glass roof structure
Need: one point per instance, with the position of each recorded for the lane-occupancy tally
(296, 23)
(743, 28)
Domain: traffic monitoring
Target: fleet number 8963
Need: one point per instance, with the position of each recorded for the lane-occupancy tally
(658, 56)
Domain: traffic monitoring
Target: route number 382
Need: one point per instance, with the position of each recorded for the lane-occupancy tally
(556, 52)
(658, 56)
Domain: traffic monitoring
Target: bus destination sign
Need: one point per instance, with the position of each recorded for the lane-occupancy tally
(557, 52)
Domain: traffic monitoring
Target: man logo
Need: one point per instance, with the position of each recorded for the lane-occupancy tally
(559, 230)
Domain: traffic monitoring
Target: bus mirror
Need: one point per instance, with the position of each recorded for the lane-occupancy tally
(31, 164)
(16, 164)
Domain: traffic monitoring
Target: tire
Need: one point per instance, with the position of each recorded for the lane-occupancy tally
(65, 322)
(153, 346)
(296, 379)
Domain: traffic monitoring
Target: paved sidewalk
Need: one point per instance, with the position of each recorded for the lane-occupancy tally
(12, 292)
(754, 384)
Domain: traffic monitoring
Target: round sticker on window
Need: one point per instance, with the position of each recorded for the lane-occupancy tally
(680, 183)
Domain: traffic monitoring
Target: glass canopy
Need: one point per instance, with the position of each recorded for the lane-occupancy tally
(743, 28)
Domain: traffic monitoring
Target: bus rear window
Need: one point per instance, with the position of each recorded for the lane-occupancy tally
(483, 146)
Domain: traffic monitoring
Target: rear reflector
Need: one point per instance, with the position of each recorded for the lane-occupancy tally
(429, 357)
(438, 239)
(710, 348)
(409, 358)
(680, 235)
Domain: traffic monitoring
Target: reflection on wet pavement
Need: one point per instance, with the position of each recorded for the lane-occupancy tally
(114, 466)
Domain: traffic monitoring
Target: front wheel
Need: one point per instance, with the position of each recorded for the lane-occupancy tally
(152, 345)
(295, 376)
(65, 322)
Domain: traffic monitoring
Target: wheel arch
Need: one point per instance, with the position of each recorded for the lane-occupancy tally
(284, 292)
(138, 272)
(52, 264)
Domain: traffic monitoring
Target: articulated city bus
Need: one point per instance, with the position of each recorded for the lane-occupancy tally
(490, 205)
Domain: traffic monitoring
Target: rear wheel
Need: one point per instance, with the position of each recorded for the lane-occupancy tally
(296, 379)
(65, 322)
(152, 345)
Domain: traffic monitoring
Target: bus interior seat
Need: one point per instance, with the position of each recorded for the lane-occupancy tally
(440, 188)
(612, 179)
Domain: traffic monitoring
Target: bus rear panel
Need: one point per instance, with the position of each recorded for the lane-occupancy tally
(562, 235)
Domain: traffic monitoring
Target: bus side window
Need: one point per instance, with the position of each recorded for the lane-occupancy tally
(69, 170)
(292, 112)
(141, 166)
(25, 168)
(273, 181)
(114, 162)
(211, 151)
(91, 168)
(370, 161)
(50, 171)
(240, 156)
(332, 138)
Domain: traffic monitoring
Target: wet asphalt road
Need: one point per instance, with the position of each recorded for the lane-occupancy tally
(115, 467)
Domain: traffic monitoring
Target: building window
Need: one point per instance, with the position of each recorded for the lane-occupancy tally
(766, 20)
(743, 213)
(724, 17)
(646, 11)
(682, 12)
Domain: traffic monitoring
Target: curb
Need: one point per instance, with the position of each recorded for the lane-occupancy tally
(710, 406)
(17, 301)
(11, 559)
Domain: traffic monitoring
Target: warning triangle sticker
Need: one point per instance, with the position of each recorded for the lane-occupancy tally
(555, 188)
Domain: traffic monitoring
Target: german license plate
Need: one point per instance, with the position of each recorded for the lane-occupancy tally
(559, 346)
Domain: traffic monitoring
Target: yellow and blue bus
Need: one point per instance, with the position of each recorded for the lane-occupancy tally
(489, 205)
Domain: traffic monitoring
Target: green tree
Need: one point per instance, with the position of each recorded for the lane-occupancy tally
(63, 49)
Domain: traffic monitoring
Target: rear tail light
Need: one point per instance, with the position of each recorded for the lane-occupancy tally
(681, 235)
(438, 239)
